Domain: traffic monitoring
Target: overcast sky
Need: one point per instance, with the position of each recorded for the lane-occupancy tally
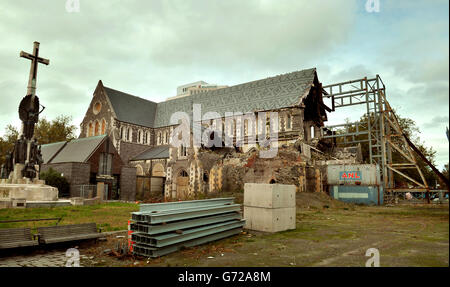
(148, 48)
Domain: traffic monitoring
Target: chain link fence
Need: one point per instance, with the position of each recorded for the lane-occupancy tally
(84, 191)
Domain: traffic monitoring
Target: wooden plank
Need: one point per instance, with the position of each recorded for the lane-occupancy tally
(16, 237)
(18, 244)
(72, 238)
(64, 233)
(15, 234)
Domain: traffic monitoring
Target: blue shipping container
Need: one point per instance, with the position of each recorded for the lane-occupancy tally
(362, 194)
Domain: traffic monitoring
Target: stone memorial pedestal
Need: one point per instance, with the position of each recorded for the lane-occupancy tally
(24, 190)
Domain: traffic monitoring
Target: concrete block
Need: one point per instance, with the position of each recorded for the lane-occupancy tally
(92, 201)
(269, 219)
(100, 190)
(269, 195)
(35, 204)
(77, 201)
(31, 192)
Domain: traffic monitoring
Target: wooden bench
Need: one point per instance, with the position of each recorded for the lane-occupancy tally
(16, 237)
(64, 233)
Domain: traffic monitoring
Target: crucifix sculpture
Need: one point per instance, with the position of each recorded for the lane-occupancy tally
(29, 107)
(26, 151)
(35, 59)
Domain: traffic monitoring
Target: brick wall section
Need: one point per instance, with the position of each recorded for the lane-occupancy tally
(76, 173)
(128, 184)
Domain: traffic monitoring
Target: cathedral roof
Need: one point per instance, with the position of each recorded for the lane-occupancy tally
(154, 153)
(267, 94)
(50, 150)
(276, 92)
(132, 109)
(76, 150)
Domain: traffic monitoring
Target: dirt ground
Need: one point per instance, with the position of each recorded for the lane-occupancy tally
(328, 233)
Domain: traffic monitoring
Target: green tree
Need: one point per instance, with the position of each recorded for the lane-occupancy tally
(7, 142)
(411, 130)
(445, 171)
(55, 179)
(59, 129)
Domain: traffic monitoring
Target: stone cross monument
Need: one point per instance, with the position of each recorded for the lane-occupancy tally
(20, 184)
(22, 161)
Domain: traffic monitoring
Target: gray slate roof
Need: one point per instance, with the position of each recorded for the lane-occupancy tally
(154, 153)
(77, 150)
(132, 109)
(49, 150)
(267, 94)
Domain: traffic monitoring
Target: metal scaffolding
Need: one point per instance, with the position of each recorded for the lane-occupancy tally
(380, 130)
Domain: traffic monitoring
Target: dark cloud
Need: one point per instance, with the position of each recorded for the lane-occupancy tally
(437, 122)
(147, 48)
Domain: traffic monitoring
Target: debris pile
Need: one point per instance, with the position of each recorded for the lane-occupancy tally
(162, 228)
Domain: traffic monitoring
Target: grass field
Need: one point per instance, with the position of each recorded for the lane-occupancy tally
(404, 235)
(109, 216)
(328, 233)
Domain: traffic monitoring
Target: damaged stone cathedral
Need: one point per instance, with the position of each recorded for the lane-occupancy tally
(140, 131)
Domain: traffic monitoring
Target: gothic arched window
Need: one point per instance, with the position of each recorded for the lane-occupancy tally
(90, 130)
(289, 122)
(182, 151)
(103, 127)
(165, 137)
(123, 133)
(245, 127)
(139, 136)
(97, 128)
(130, 135)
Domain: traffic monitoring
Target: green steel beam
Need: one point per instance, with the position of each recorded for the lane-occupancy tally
(181, 209)
(153, 252)
(183, 214)
(184, 204)
(174, 238)
(163, 228)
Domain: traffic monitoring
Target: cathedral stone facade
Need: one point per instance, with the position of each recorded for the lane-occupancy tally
(141, 130)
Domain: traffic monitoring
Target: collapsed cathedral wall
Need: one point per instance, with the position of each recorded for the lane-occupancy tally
(286, 168)
(231, 172)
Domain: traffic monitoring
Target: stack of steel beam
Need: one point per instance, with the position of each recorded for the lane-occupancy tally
(162, 228)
